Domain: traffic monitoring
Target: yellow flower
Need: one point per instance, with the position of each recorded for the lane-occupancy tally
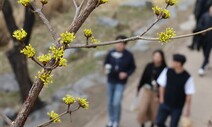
(54, 116)
(20, 34)
(44, 58)
(94, 40)
(69, 100)
(24, 2)
(67, 37)
(57, 53)
(164, 37)
(157, 10)
(62, 62)
(88, 33)
(44, 1)
(29, 51)
(45, 77)
(104, 1)
(166, 14)
(171, 2)
(83, 103)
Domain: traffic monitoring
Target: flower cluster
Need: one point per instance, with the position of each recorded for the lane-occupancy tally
(171, 2)
(167, 35)
(104, 1)
(164, 13)
(62, 62)
(44, 58)
(57, 52)
(67, 37)
(45, 77)
(44, 2)
(83, 103)
(24, 2)
(20, 34)
(29, 51)
(68, 100)
(54, 116)
(94, 40)
(88, 33)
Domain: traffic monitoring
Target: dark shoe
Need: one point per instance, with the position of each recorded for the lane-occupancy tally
(191, 47)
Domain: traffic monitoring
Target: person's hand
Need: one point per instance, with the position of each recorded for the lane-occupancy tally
(122, 75)
(161, 100)
(187, 113)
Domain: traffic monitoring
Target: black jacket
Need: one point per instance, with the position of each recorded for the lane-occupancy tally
(150, 73)
(124, 64)
(201, 7)
(204, 23)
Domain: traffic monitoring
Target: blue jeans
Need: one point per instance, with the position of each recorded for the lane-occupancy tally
(115, 96)
(165, 111)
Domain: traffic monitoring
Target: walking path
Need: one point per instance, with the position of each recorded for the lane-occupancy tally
(202, 104)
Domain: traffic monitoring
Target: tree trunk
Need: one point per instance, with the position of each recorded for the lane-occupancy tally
(19, 64)
(17, 60)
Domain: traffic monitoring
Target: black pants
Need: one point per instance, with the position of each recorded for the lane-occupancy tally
(206, 53)
(164, 112)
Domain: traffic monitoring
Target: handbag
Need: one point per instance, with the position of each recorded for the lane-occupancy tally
(186, 122)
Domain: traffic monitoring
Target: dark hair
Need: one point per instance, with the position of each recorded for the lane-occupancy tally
(162, 56)
(121, 37)
(179, 58)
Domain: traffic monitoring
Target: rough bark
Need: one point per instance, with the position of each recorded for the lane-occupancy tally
(17, 60)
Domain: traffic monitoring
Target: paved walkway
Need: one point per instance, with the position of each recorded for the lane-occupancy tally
(202, 101)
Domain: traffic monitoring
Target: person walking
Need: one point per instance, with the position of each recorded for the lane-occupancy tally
(176, 90)
(205, 22)
(201, 7)
(119, 65)
(148, 89)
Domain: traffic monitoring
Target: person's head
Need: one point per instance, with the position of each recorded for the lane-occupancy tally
(121, 46)
(158, 57)
(178, 61)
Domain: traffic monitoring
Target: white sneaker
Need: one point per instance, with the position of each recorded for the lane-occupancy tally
(201, 72)
(109, 124)
(115, 124)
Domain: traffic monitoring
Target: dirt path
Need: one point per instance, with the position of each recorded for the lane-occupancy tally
(202, 104)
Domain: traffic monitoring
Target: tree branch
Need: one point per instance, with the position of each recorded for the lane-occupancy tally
(45, 21)
(5, 118)
(134, 38)
(77, 23)
(64, 113)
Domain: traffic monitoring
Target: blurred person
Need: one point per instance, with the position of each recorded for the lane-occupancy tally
(149, 89)
(176, 90)
(206, 40)
(201, 7)
(119, 65)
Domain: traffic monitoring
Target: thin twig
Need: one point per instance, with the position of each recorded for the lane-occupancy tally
(37, 62)
(61, 115)
(134, 38)
(5, 118)
(45, 21)
(78, 9)
(150, 27)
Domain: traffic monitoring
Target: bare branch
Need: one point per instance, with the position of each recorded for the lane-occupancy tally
(78, 8)
(134, 38)
(5, 118)
(37, 62)
(61, 115)
(150, 27)
(45, 21)
(77, 23)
